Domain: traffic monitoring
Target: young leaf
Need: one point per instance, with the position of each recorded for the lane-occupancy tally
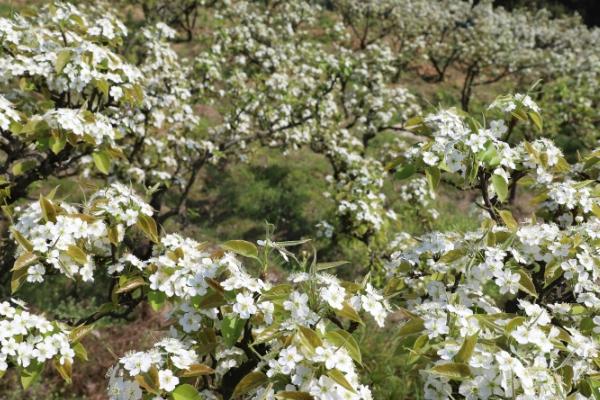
(148, 226)
(48, 209)
(405, 172)
(339, 378)
(349, 312)
(130, 284)
(454, 371)
(500, 187)
(185, 392)
(466, 350)
(197, 370)
(241, 247)
(508, 220)
(294, 396)
(231, 329)
(344, 339)
(102, 161)
(79, 332)
(77, 254)
(310, 337)
(156, 299)
(24, 260)
(57, 143)
(80, 352)
(526, 284)
(31, 374)
(22, 167)
(17, 278)
(24, 242)
(61, 60)
(64, 369)
(536, 119)
(249, 382)
(434, 176)
(412, 326)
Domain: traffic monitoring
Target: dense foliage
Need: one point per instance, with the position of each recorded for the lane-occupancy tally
(114, 117)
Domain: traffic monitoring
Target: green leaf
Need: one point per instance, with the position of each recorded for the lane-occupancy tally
(419, 347)
(552, 272)
(269, 333)
(338, 377)
(513, 324)
(156, 299)
(80, 352)
(231, 329)
(526, 284)
(309, 337)
(405, 172)
(102, 161)
(466, 350)
(349, 312)
(596, 210)
(48, 209)
(453, 255)
(22, 167)
(329, 265)
(490, 156)
(148, 226)
(412, 326)
(508, 220)
(61, 60)
(249, 382)
(31, 374)
(434, 176)
(211, 299)
(278, 292)
(197, 370)
(185, 392)
(65, 370)
(500, 187)
(22, 240)
(130, 284)
(241, 247)
(17, 278)
(453, 371)
(344, 339)
(102, 86)
(80, 332)
(24, 260)
(77, 254)
(294, 396)
(536, 119)
(414, 122)
(57, 143)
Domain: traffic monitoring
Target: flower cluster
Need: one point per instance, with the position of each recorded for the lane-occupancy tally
(28, 340)
(506, 310)
(69, 238)
(152, 370)
(221, 312)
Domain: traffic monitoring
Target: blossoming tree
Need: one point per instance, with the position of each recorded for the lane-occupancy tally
(509, 310)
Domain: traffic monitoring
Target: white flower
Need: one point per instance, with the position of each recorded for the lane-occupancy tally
(166, 380)
(244, 306)
(334, 295)
(507, 281)
(288, 358)
(137, 363)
